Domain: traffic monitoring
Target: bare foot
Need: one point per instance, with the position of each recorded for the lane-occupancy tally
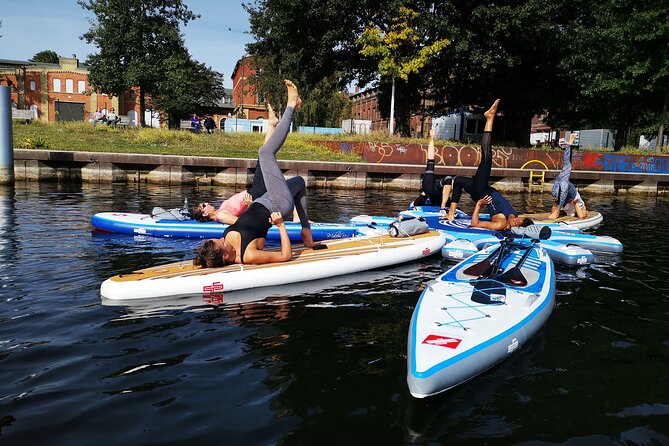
(492, 110)
(294, 99)
(273, 120)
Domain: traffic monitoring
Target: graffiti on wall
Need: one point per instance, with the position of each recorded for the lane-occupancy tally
(612, 162)
(504, 157)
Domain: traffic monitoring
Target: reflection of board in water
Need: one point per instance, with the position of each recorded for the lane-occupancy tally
(402, 278)
(343, 256)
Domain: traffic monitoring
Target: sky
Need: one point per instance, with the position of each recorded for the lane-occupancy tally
(216, 39)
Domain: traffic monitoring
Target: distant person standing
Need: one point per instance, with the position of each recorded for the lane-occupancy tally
(195, 123)
(209, 124)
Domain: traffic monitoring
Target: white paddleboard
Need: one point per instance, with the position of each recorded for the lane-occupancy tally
(343, 256)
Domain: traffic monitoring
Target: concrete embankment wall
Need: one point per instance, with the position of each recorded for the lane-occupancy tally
(45, 165)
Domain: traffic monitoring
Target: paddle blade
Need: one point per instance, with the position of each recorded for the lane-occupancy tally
(489, 292)
(484, 266)
(479, 269)
(513, 277)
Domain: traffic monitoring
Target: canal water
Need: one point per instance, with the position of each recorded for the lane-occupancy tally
(316, 363)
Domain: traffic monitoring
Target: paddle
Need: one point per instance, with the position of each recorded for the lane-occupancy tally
(514, 276)
(488, 291)
(484, 266)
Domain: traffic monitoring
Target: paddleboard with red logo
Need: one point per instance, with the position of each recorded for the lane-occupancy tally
(463, 324)
(342, 256)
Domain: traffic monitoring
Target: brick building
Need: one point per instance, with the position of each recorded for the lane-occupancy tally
(248, 103)
(61, 92)
(366, 106)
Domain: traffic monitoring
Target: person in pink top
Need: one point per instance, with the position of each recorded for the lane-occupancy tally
(233, 207)
(227, 213)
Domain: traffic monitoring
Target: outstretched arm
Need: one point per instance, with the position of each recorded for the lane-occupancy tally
(496, 223)
(225, 217)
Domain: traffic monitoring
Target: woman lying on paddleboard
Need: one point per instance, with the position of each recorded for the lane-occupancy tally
(502, 213)
(243, 242)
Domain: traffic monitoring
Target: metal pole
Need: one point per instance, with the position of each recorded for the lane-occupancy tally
(6, 136)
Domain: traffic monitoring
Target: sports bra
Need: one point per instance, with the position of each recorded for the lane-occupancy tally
(252, 224)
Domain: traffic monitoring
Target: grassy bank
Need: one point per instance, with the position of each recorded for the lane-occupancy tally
(79, 136)
(84, 137)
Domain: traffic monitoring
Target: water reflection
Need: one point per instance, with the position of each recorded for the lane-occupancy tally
(318, 361)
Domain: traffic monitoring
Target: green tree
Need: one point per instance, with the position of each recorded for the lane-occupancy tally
(399, 50)
(46, 56)
(188, 86)
(135, 39)
(325, 105)
(625, 46)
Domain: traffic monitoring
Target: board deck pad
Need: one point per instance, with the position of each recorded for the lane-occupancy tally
(342, 256)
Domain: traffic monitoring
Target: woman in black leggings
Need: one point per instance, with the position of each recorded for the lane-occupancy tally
(502, 213)
(243, 242)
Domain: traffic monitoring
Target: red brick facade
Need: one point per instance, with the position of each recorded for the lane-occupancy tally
(248, 103)
(43, 86)
(366, 106)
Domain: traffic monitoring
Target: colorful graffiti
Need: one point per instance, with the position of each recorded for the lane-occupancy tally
(610, 162)
(504, 157)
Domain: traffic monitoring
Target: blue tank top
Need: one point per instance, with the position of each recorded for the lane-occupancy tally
(500, 205)
(252, 224)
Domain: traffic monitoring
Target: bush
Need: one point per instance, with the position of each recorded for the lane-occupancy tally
(35, 142)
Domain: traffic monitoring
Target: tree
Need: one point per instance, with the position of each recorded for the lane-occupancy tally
(188, 86)
(46, 56)
(399, 50)
(135, 38)
(619, 62)
(325, 105)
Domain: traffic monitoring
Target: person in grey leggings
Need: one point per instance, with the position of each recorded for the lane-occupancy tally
(567, 198)
(243, 242)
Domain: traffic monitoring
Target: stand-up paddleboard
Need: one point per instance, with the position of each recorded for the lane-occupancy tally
(274, 295)
(564, 223)
(462, 325)
(460, 245)
(460, 228)
(434, 220)
(343, 256)
(458, 248)
(143, 224)
(592, 218)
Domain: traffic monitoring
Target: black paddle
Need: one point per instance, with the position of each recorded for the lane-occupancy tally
(514, 276)
(484, 266)
(489, 291)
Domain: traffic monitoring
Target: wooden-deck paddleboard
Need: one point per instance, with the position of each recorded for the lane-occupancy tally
(342, 256)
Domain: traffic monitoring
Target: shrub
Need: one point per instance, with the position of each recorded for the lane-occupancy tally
(35, 142)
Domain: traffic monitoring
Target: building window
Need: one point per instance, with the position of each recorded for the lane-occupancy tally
(69, 86)
(33, 86)
(81, 87)
(56, 85)
(472, 126)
